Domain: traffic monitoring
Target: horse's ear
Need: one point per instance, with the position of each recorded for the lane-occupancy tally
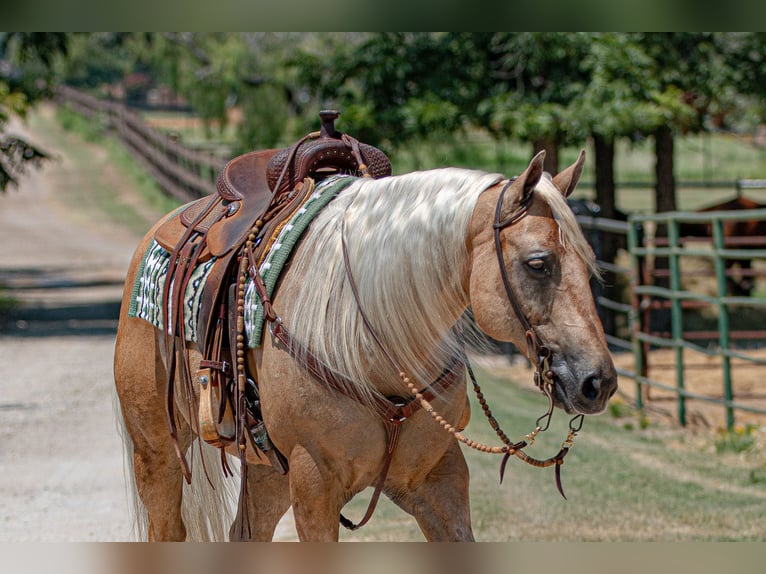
(530, 177)
(566, 181)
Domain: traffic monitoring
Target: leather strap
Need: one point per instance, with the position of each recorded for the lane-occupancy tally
(180, 266)
(537, 353)
(393, 410)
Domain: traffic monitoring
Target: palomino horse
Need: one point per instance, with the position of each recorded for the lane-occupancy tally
(423, 248)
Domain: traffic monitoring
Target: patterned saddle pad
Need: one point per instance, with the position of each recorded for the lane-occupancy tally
(146, 296)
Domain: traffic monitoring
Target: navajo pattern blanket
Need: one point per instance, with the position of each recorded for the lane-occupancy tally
(146, 296)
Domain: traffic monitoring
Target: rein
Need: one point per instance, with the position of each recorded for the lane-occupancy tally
(543, 376)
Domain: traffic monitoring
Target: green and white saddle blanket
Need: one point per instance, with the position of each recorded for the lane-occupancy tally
(146, 297)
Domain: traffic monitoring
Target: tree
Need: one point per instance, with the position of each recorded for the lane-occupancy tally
(396, 87)
(22, 52)
(536, 77)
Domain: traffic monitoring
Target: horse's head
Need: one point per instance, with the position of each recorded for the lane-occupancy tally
(545, 296)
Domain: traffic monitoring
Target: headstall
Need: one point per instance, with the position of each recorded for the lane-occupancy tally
(537, 353)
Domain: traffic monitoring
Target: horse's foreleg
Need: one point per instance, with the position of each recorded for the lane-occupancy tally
(316, 504)
(440, 503)
(268, 500)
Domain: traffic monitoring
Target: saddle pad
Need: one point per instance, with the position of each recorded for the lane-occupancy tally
(146, 296)
(282, 248)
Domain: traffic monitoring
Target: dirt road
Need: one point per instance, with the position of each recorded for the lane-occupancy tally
(61, 473)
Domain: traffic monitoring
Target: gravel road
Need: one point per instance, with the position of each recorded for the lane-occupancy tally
(61, 475)
(61, 462)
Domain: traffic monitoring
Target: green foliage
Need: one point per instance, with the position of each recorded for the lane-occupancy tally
(618, 409)
(91, 129)
(25, 61)
(7, 304)
(738, 439)
(96, 59)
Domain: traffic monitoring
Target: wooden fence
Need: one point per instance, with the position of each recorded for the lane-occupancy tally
(182, 172)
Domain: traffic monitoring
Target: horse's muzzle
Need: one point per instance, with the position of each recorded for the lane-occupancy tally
(585, 392)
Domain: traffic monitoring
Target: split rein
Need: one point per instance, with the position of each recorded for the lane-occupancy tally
(543, 376)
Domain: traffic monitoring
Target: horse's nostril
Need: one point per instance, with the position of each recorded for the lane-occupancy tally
(590, 387)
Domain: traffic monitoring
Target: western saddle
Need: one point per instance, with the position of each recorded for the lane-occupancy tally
(255, 193)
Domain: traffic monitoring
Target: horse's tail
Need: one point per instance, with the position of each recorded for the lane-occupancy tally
(138, 514)
(209, 503)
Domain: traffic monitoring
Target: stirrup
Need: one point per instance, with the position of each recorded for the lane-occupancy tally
(214, 433)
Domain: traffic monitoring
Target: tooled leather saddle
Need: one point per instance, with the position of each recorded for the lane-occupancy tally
(255, 193)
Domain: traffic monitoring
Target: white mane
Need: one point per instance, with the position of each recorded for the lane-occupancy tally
(406, 238)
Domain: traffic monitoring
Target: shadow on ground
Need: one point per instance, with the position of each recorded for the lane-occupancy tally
(53, 303)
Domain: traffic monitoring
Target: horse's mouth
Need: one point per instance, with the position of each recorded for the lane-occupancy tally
(574, 405)
(561, 399)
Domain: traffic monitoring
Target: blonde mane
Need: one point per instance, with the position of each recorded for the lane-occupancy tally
(406, 238)
(570, 233)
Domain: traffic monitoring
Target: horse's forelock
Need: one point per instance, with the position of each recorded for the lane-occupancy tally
(570, 231)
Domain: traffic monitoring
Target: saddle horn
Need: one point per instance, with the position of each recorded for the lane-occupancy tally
(324, 153)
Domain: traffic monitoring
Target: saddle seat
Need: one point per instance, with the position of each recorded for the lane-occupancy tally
(242, 195)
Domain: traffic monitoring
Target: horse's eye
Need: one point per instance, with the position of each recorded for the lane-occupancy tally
(537, 264)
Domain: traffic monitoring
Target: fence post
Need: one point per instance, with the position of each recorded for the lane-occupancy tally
(723, 316)
(634, 318)
(676, 313)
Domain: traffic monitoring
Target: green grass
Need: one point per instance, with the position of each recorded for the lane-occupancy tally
(699, 162)
(698, 158)
(623, 484)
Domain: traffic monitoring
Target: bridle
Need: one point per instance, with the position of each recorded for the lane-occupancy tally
(538, 353)
(395, 410)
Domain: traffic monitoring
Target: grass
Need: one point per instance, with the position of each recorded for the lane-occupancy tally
(699, 158)
(623, 482)
(108, 182)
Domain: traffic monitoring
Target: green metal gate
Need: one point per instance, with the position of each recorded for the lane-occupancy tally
(669, 298)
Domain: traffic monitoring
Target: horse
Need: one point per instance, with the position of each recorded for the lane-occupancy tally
(737, 235)
(379, 283)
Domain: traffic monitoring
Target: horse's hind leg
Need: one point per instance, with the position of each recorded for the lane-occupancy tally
(268, 500)
(440, 503)
(140, 380)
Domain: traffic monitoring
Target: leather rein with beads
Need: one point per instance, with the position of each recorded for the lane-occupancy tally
(537, 353)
